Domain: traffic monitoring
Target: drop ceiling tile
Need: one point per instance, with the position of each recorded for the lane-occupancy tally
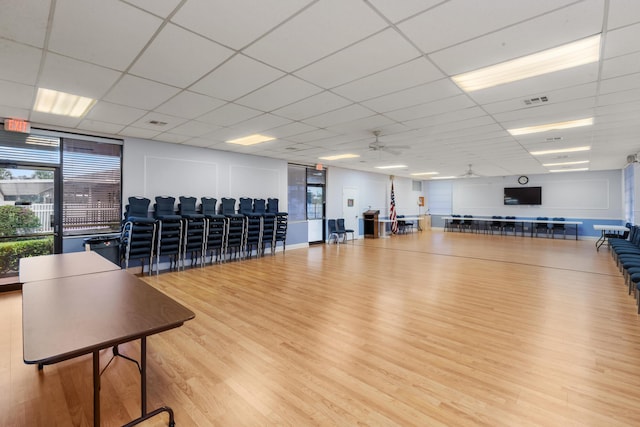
(26, 22)
(396, 11)
(342, 115)
(312, 106)
(403, 76)
(235, 23)
(133, 132)
(161, 8)
(261, 123)
(618, 84)
(172, 138)
(96, 31)
(549, 113)
(198, 142)
(553, 96)
(309, 137)
(54, 120)
(236, 77)
(182, 66)
(16, 94)
(617, 41)
(369, 123)
(136, 92)
(323, 28)
(623, 12)
(563, 26)
(193, 129)
(14, 112)
(189, 105)
(229, 115)
(287, 90)
(620, 66)
(435, 107)
(360, 60)
(88, 80)
(24, 60)
(114, 113)
(414, 96)
(100, 127)
(165, 122)
(458, 19)
(290, 129)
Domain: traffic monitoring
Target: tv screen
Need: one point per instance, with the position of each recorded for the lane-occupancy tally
(523, 196)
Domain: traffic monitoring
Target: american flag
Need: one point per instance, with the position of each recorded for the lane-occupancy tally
(392, 212)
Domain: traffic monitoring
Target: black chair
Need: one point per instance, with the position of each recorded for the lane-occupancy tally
(253, 236)
(268, 225)
(194, 230)
(236, 231)
(334, 233)
(455, 223)
(510, 225)
(541, 227)
(496, 224)
(137, 233)
(170, 232)
(557, 228)
(469, 224)
(216, 226)
(344, 231)
(281, 223)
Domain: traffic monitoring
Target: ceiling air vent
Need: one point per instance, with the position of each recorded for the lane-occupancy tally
(157, 123)
(553, 139)
(536, 101)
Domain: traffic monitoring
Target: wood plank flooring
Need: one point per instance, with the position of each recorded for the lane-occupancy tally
(423, 329)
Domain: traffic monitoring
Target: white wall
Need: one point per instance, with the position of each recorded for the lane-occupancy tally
(153, 169)
(595, 195)
(374, 192)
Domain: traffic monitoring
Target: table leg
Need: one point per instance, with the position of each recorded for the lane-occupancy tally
(143, 375)
(96, 388)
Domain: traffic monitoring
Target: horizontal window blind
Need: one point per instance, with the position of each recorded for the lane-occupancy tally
(92, 199)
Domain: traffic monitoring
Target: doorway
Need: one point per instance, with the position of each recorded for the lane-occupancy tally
(315, 213)
(29, 215)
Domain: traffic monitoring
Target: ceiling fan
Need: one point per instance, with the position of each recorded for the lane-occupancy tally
(470, 173)
(378, 146)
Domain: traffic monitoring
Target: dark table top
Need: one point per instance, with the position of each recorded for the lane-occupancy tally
(67, 317)
(62, 265)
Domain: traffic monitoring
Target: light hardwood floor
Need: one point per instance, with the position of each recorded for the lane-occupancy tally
(424, 329)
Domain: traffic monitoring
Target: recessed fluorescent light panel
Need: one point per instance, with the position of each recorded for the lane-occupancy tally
(570, 55)
(551, 126)
(443, 177)
(339, 157)
(569, 170)
(61, 103)
(251, 139)
(391, 167)
(560, 150)
(580, 162)
(424, 173)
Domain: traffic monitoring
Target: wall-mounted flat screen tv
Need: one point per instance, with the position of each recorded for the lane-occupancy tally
(523, 196)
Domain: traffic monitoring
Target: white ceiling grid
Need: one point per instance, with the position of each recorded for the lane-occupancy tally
(322, 75)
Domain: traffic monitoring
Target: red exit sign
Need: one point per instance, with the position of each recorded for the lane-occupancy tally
(17, 125)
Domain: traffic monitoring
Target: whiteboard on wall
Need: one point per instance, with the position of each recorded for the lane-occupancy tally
(179, 177)
(252, 182)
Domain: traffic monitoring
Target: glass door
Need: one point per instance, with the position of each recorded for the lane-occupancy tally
(315, 213)
(29, 219)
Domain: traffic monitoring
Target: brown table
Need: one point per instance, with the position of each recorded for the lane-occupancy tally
(63, 265)
(67, 317)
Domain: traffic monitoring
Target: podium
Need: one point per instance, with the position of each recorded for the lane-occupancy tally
(371, 224)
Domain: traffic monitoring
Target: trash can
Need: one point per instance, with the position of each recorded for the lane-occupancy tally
(107, 246)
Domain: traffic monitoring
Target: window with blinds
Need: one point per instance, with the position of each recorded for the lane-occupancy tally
(91, 187)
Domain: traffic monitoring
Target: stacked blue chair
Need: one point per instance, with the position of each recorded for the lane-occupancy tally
(281, 223)
(170, 232)
(194, 231)
(254, 226)
(216, 230)
(138, 232)
(236, 229)
(268, 226)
